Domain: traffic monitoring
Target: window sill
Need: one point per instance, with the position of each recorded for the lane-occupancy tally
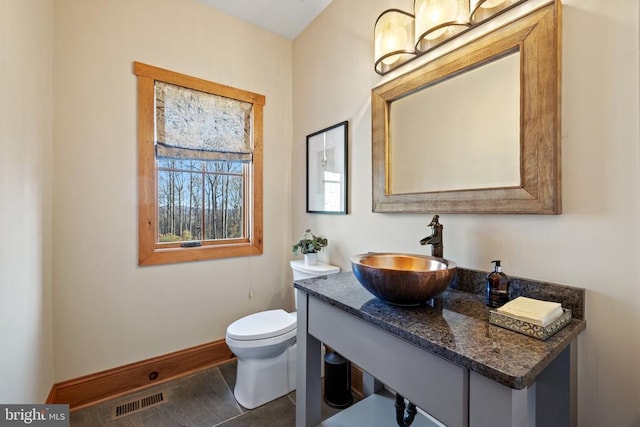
(158, 256)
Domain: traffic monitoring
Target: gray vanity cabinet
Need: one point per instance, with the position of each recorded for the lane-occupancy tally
(449, 361)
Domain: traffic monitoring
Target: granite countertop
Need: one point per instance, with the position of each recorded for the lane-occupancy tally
(455, 325)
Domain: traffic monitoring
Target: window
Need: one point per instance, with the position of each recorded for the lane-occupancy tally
(199, 169)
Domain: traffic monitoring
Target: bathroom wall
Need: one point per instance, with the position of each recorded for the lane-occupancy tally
(109, 311)
(595, 242)
(26, 70)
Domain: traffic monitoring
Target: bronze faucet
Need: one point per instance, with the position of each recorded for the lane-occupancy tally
(435, 240)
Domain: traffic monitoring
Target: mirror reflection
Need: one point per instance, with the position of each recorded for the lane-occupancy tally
(445, 137)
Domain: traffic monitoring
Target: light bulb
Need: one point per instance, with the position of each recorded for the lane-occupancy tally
(393, 34)
(394, 40)
(434, 13)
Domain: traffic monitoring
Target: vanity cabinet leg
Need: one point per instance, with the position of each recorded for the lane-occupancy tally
(556, 395)
(494, 405)
(308, 374)
(370, 384)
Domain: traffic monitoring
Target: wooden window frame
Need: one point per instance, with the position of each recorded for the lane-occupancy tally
(150, 252)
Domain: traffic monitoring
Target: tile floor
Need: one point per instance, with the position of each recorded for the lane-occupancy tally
(204, 399)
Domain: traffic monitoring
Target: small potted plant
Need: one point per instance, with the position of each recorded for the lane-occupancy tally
(310, 245)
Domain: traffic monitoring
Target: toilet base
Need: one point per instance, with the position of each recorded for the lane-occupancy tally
(259, 381)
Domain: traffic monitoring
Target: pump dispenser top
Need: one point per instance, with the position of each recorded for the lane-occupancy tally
(497, 292)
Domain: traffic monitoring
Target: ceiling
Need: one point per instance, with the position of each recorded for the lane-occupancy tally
(285, 17)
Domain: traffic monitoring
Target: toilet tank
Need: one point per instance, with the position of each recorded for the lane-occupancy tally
(303, 271)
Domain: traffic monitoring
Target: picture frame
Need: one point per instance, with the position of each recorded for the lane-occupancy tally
(327, 170)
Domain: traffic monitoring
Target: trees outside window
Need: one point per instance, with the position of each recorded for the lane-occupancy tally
(199, 168)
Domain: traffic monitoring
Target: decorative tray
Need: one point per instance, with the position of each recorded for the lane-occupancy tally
(529, 329)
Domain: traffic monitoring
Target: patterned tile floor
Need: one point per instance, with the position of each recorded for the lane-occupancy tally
(204, 399)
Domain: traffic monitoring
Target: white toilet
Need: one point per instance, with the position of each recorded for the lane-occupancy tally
(265, 345)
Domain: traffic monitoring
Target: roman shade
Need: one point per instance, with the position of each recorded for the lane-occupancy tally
(191, 124)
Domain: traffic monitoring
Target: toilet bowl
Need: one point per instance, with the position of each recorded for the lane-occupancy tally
(265, 346)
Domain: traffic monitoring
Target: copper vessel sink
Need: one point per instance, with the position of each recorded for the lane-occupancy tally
(403, 279)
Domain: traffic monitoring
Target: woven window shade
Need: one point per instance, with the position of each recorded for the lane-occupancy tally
(197, 125)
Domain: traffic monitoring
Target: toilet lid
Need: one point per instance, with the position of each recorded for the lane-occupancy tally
(265, 324)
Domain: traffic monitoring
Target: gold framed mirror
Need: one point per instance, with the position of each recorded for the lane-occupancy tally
(533, 186)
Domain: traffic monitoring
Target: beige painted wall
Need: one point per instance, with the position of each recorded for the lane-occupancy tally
(26, 70)
(108, 311)
(594, 244)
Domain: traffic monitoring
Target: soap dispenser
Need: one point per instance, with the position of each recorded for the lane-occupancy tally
(497, 286)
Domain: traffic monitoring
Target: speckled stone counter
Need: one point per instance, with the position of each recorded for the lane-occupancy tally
(455, 325)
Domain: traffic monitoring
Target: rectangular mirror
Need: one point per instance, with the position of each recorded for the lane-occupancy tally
(476, 130)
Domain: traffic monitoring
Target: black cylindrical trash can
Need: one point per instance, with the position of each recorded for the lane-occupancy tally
(337, 380)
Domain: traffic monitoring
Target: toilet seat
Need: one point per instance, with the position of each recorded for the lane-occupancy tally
(258, 326)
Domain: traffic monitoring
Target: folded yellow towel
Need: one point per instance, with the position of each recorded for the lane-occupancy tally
(538, 312)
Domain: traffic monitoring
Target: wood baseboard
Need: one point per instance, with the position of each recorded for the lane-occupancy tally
(95, 388)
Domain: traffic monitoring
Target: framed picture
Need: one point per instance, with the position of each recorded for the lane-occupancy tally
(327, 170)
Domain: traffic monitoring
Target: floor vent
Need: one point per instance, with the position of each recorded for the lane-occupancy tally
(137, 405)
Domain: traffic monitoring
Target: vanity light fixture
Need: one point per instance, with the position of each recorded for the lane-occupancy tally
(400, 37)
(393, 37)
